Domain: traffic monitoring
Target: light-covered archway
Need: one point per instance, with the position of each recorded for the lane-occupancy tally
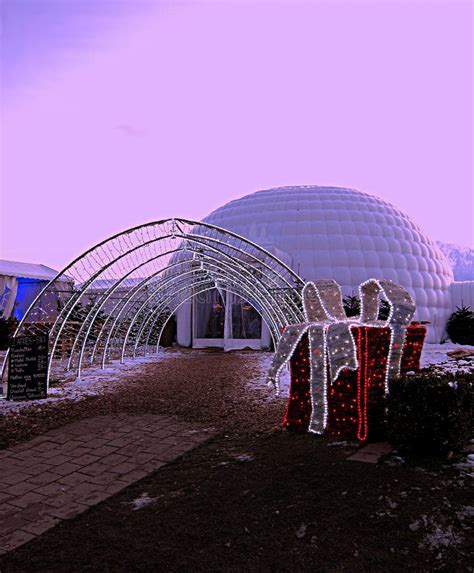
(123, 291)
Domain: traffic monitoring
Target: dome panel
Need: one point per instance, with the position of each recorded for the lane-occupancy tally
(347, 235)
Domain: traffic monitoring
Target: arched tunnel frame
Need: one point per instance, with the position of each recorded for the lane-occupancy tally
(151, 270)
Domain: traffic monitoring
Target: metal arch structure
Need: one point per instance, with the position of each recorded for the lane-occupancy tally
(122, 291)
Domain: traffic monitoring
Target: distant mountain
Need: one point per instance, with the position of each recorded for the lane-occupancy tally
(461, 259)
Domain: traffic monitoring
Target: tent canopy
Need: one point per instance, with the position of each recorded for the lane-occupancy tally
(29, 271)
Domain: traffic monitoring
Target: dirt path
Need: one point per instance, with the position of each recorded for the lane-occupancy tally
(207, 387)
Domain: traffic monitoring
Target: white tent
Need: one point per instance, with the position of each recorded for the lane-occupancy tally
(20, 283)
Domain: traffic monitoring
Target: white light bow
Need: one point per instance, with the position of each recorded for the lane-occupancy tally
(330, 337)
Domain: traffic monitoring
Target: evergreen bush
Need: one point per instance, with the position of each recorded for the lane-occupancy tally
(460, 325)
(7, 328)
(352, 307)
(429, 414)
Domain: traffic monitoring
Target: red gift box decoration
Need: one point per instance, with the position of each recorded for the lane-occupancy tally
(340, 367)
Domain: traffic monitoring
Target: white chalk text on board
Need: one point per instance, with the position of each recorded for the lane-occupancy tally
(28, 368)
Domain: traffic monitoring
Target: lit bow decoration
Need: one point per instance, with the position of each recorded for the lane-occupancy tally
(330, 339)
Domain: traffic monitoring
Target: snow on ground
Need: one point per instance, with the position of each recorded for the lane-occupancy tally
(437, 353)
(261, 382)
(448, 358)
(93, 381)
(96, 381)
(143, 501)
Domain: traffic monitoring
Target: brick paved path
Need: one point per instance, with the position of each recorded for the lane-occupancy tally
(63, 472)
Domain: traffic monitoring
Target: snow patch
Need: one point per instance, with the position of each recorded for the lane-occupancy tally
(301, 531)
(93, 381)
(244, 457)
(448, 358)
(440, 538)
(142, 501)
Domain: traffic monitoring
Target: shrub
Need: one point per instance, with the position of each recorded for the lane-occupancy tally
(7, 328)
(352, 307)
(429, 414)
(460, 325)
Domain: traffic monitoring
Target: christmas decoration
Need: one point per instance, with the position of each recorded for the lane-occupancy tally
(339, 366)
(122, 291)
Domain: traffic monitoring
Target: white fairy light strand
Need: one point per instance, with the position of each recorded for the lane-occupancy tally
(402, 309)
(334, 326)
(292, 331)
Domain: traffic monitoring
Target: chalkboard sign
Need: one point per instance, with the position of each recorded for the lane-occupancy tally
(28, 368)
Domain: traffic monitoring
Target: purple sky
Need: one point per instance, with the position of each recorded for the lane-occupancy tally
(116, 113)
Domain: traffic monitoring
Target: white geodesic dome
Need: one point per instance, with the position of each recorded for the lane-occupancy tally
(349, 236)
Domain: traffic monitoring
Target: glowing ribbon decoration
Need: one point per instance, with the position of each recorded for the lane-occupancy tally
(330, 337)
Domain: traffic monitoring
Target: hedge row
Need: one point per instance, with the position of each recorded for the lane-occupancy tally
(429, 414)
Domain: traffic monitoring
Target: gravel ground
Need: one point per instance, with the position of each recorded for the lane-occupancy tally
(209, 387)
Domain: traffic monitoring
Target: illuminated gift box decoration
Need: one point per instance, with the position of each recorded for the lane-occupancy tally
(340, 367)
